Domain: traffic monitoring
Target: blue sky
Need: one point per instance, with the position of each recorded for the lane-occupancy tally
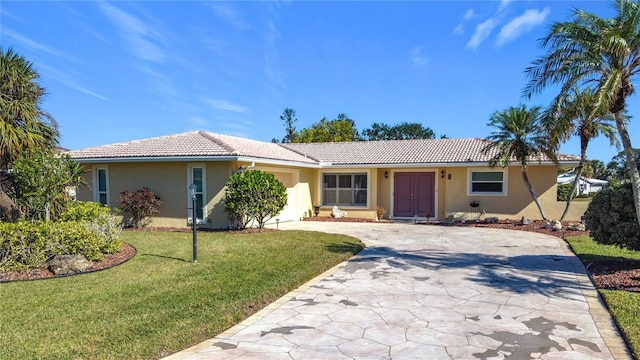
(118, 71)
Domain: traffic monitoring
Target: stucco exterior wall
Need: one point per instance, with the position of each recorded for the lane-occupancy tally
(374, 179)
(516, 203)
(304, 186)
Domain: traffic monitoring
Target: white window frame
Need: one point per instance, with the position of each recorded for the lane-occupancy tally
(190, 168)
(96, 184)
(505, 182)
(345, 172)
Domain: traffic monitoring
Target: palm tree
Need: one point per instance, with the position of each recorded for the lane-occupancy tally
(573, 114)
(23, 124)
(519, 136)
(599, 53)
(595, 169)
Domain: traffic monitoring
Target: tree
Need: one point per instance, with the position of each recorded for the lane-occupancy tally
(519, 136)
(23, 124)
(595, 169)
(616, 168)
(253, 195)
(42, 179)
(289, 118)
(571, 114)
(599, 53)
(402, 131)
(340, 129)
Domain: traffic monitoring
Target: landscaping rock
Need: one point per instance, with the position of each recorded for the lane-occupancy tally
(576, 226)
(554, 225)
(337, 213)
(525, 221)
(69, 264)
(491, 220)
(450, 220)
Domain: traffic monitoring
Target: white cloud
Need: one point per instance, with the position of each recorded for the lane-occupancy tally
(504, 4)
(521, 24)
(470, 14)
(230, 15)
(225, 105)
(34, 44)
(141, 37)
(459, 30)
(417, 57)
(66, 79)
(483, 30)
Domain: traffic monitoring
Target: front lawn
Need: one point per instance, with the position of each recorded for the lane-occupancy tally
(160, 302)
(624, 306)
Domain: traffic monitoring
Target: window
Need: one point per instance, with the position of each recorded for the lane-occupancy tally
(196, 176)
(344, 189)
(488, 182)
(101, 186)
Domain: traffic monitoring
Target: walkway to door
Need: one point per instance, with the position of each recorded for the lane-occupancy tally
(432, 292)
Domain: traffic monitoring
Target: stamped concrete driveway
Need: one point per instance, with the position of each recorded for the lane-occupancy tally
(432, 292)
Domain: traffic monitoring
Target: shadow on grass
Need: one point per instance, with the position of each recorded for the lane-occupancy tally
(165, 257)
(345, 248)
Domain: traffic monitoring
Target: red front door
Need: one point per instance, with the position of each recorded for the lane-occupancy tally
(413, 194)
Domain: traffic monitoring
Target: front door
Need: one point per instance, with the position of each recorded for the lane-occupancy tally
(413, 194)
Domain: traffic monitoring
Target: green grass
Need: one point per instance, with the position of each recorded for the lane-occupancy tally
(624, 306)
(160, 302)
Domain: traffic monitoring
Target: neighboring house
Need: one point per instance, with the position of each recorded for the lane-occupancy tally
(586, 185)
(433, 178)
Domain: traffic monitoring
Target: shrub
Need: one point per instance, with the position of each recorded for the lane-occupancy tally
(253, 195)
(563, 192)
(611, 218)
(89, 229)
(142, 205)
(84, 211)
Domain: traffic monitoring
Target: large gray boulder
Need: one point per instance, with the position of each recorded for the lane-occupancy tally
(69, 264)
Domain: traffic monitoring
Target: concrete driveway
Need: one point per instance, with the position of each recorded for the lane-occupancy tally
(432, 292)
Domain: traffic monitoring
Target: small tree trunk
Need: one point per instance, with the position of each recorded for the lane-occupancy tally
(630, 160)
(47, 211)
(578, 174)
(532, 192)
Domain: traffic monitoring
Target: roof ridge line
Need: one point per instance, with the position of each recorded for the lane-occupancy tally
(211, 137)
(284, 146)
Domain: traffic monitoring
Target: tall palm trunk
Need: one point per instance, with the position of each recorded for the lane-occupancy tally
(525, 177)
(578, 174)
(630, 160)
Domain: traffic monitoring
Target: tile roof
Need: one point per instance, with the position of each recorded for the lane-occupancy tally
(210, 145)
(191, 144)
(441, 151)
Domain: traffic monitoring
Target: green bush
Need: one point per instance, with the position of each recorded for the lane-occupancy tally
(84, 211)
(563, 192)
(253, 196)
(25, 244)
(611, 218)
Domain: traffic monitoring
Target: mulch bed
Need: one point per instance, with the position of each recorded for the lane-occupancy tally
(108, 261)
(607, 274)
